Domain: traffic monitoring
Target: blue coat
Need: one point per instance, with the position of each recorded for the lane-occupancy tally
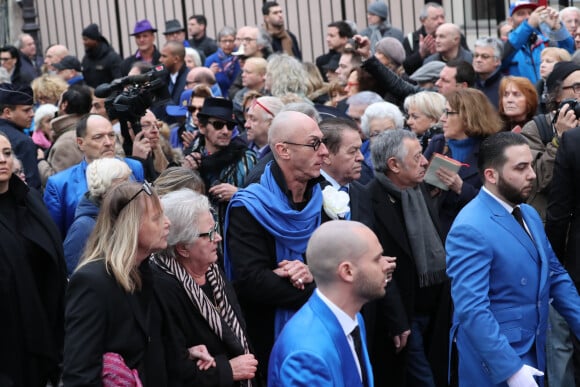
(64, 190)
(79, 232)
(501, 283)
(312, 350)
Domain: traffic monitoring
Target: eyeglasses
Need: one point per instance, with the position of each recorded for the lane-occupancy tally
(5, 59)
(315, 145)
(352, 84)
(448, 113)
(575, 87)
(193, 109)
(146, 187)
(482, 56)
(227, 41)
(219, 125)
(211, 233)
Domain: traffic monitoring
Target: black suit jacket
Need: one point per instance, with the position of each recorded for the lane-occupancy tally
(360, 208)
(562, 220)
(403, 296)
(102, 317)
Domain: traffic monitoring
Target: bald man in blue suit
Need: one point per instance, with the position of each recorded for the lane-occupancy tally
(318, 346)
(503, 273)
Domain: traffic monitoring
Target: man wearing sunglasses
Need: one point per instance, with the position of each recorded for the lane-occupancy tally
(268, 226)
(222, 163)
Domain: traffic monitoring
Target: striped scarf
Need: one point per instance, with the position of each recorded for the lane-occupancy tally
(222, 311)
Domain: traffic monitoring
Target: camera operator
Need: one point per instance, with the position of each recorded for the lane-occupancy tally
(222, 163)
(150, 148)
(543, 135)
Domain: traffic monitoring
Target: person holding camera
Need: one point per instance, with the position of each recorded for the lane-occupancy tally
(543, 134)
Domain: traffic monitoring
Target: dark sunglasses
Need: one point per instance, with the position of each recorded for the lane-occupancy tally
(193, 109)
(219, 125)
(146, 187)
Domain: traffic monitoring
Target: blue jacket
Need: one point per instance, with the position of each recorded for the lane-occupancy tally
(79, 231)
(64, 190)
(522, 59)
(229, 69)
(501, 284)
(312, 350)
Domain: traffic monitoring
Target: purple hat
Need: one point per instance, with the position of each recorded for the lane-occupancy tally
(181, 109)
(143, 26)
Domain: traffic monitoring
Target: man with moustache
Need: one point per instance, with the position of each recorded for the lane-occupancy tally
(267, 229)
(324, 344)
(503, 274)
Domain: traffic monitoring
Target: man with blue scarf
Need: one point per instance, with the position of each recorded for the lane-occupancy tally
(268, 226)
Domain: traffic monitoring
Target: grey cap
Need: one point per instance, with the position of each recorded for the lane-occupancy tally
(428, 72)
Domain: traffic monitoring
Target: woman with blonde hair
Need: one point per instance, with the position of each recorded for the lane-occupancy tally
(468, 118)
(424, 109)
(175, 178)
(316, 88)
(48, 89)
(549, 57)
(101, 175)
(109, 313)
(198, 305)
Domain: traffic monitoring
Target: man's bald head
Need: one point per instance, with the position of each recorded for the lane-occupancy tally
(200, 75)
(451, 29)
(333, 243)
(286, 125)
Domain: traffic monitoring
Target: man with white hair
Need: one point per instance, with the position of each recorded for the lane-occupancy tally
(30, 63)
(570, 17)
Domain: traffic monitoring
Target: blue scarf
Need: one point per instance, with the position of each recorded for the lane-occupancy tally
(461, 149)
(290, 228)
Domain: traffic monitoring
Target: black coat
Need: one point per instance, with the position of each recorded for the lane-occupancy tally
(129, 61)
(32, 286)
(102, 317)
(404, 297)
(101, 65)
(184, 326)
(562, 220)
(25, 149)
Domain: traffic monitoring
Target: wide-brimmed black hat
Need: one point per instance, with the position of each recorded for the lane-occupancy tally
(217, 108)
(172, 26)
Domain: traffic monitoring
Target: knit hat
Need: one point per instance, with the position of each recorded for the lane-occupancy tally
(428, 72)
(392, 48)
(559, 73)
(92, 32)
(379, 8)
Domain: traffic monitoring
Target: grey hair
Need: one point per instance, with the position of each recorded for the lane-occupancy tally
(389, 144)
(286, 75)
(381, 110)
(425, 11)
(192, 52)
(226, 31)
(263, 39)
(364, 98)
(495, 43)
(183, 208)
(273, 104)
(42, 111)
(429, 103)
(569, 9)
(302, 107)
(18, 41)
(103, 173)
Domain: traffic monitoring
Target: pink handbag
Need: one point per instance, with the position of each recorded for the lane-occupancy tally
(117, 374)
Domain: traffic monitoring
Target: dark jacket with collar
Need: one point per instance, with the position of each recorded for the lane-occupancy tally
(32, 287)
(129, 61)
(101, 64)
(404, 297)
(25, 149)
(490, 86)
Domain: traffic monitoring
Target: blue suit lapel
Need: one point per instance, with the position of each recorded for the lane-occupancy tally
(367, 366)
(506, 220)
(348, 365)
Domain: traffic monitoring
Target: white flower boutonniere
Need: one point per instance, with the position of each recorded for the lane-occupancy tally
(335, 202)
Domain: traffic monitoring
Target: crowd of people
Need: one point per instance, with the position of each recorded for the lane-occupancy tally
(221, 213)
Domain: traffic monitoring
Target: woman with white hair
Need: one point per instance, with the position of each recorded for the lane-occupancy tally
(197, 304)
(42, 135)
(101, 175)
(424, 109)
(192, 58)
(381, 116)
(285, 76)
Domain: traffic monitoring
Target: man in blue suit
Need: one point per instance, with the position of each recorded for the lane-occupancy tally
(96, 139)
(324, 342)
(503, 274)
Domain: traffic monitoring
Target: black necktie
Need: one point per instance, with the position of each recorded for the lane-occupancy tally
(517, 213)
(355, 334)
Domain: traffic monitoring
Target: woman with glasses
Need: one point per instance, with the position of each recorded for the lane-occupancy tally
(10, 60)
(197, 304)
(379, 117)
(224, 65)
(468, 118)
(32, 282)
(110, 316)
(518, 102)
